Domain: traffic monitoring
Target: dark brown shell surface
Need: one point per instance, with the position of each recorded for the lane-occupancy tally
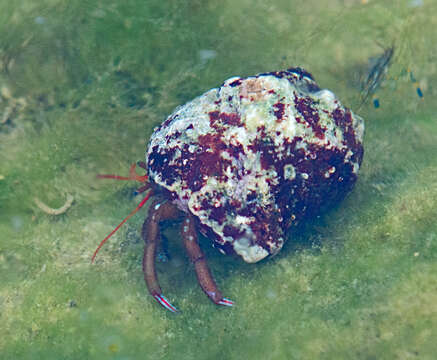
(255, 156)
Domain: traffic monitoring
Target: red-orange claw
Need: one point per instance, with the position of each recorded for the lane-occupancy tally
(165, 303)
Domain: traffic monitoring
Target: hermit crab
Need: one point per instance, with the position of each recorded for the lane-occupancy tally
(242, 164)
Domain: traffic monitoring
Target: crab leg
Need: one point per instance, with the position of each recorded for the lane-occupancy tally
(206, 281)
(150, 233)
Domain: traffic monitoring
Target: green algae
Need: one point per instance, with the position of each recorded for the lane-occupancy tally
(97, 77)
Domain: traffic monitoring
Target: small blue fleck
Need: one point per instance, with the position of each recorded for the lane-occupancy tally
(419, 92)
(40, 20)
(376, 103)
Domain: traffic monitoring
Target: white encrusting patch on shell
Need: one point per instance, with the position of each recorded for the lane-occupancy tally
(249, 252)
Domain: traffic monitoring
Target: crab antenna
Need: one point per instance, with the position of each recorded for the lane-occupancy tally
(140, 205)
(132, 175)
